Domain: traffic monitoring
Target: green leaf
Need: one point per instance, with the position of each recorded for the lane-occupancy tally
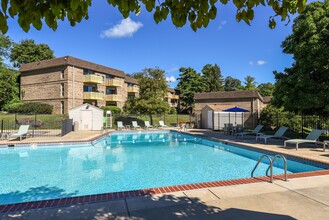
(75, 4)
(272, 23)
(4, 4)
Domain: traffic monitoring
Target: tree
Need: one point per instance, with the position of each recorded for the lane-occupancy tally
(212, 78)
(8, 85)
(304, 87)
(265, 89)
(250, 83)
(28, 51)
(197, 12)
(190, 82)
(152, 90)
(232, 84)
(5, 46)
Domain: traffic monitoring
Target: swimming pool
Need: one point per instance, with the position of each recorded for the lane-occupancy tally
(125, 161)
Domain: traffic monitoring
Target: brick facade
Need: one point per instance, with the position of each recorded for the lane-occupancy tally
(61, 81)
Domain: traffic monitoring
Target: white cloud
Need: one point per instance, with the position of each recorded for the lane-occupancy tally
(174, 69)
(171, 79)
(251, 63)
(126, 28)
(261, 62)
(222, 25)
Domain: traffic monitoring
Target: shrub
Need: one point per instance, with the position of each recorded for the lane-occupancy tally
(173, 111)
(113, 109)
(15, 100)
(30, 108)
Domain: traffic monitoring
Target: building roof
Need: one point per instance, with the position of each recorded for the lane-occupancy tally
(171, 90)
(267, 99)
(70, 61)
(228, 95)
(217, 107)
(131, 80)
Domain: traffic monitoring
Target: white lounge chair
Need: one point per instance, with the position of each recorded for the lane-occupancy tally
(253, 132)
(120, 125)
(311, 138)
(162, 125)
(147, 125)
(135, 125)
(22, 131)
(278, 134)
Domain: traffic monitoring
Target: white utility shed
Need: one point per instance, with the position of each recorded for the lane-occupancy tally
(213, 117)
(87, 116)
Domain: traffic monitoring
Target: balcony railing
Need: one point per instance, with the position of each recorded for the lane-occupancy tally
(93, 95)
(171, 96)
(114, 82)
(113, 98)
(134, 89)
(92, 78)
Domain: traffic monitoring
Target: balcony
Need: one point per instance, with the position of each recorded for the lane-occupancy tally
(93, 96)
(113, 98)
(171, 96)
(92, 78)
(133, 89)
(114, 82)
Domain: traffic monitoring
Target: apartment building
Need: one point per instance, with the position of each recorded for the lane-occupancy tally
(172, 98)
(67, 82)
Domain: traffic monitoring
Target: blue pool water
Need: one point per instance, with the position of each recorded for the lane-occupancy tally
(124, 161)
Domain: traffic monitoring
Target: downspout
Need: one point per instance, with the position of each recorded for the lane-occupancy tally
(73, 88)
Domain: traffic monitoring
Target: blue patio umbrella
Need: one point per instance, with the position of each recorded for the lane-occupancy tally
(236, 109)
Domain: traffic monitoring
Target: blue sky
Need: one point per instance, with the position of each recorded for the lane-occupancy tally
(137, 43)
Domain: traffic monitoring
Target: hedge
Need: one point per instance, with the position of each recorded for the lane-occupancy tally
(30, 108)
(113, 109)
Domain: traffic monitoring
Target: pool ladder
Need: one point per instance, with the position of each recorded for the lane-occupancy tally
(270, 167)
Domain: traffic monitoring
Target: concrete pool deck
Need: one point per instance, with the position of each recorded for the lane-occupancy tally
(301, 198)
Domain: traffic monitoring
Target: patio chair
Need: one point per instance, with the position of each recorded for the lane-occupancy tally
(162, 125)
(120, 125)
(147, 125)
(135, 125)
(311, 138)
(22, 131)
(278, 134)
(253, 132)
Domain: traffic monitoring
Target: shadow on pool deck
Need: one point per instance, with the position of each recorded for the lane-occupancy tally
(160, 207)
(35, 194)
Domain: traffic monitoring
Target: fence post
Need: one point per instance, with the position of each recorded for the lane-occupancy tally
(34, 123)
(176, 119)
(15, 119)
(2, 126)
(164, 118)
(302, 126)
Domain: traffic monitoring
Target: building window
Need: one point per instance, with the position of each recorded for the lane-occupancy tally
(62, 107)
(131, 95)
(62, 73)
(88, 72)
(109, 76)
(62, 89)
(111, 103)
(110, 91)
(89, 89)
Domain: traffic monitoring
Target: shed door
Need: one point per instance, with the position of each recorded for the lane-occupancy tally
(86, 119)
(209, 124)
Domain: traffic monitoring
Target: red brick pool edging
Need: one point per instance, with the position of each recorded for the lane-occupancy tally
(79, 200)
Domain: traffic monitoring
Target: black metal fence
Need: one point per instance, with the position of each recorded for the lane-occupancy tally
(67, 126)
(172, 120)
(299, 125)
(40, 125)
